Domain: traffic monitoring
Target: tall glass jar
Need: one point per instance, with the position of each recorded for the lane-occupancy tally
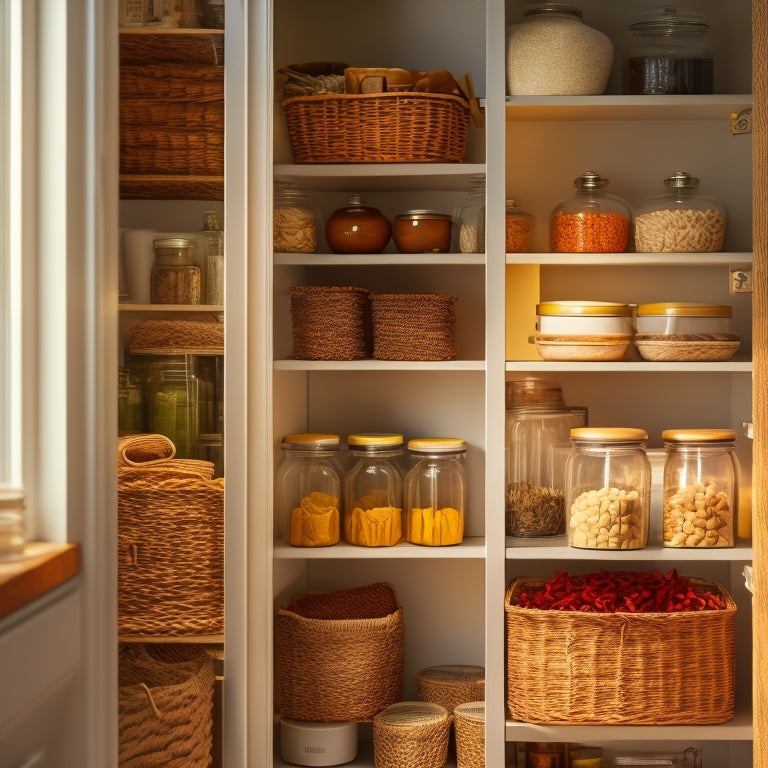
(294, 220)
(538, 427)
(607, 488)
(469, 216)
(173, 407)
(130, 402)
(373, 491)
(701, 487)
(436, 491)
(176, 277)
(518, 227)
(308, 490)
(214, 258)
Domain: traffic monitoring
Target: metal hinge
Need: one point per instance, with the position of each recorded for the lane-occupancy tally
(741, 120)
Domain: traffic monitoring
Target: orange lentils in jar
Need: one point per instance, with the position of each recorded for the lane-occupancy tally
(518, 229)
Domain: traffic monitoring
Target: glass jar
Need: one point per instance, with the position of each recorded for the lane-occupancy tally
(701, 487)
(552, 52)
(373, 491)
(670, 52)
(537, 441)
(436, 491)
(593, 221)
(518, 227)
(294, 220)
(308, 490)
(176, 277)
(214, 258)
(357, 228)
(469, 216)
(607, 488)
(12, 523)
(680, 220)
(172, 408)
(422, 231)
(212, 449)
(130, 402)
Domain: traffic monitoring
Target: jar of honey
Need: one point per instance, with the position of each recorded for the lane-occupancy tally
(422, 231)
(357, 228)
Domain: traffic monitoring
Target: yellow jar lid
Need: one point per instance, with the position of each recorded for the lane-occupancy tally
(375, 439)
(609, 434)
(589, 308)
(309, 439)
(437, 444)
(684, 309)
(698, 435)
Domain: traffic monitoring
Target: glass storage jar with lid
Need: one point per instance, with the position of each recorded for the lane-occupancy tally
(422, 231)
(518, 223)
(608, 482)
(436, 491)
(469, 216)
(593, 221)
(308, 490)
(537, 442)
(701, 487)
(294, 220)
(176, 277)
(680, 220)
(373, 490)
(357, 228)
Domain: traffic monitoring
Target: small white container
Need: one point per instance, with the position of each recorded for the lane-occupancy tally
(675, 318)
(584, 318)
(312, 743)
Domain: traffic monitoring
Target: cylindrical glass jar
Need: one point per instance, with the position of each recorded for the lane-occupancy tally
(608, 483)
(12, 522)
(214, 258)
(469, 216)
(294, 220)
(422, 231)
(436, 491)
(176, 277)
(593, 221)
(670, 52)
(212, 449)
(173, 407)
(518, 228)
(701, 487)
(538, 428)
(552, 52)
(357, 228)
(130, 402)
(680, 220)
(373, 491)
(308, 490)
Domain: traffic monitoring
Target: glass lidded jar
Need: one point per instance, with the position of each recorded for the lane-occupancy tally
(518, 223)
(373, 490)
(592, 221)
(173, 405)
(607, 488)
(422, 231)
(308, 490)
(176, 277)
(130, 402)
(469, 217)
(357, 228)
(537, 442)
(680, 220)
(436, 491)
(701, 487)
(294, 220)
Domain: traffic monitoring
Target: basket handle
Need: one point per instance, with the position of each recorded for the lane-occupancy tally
(150, 699)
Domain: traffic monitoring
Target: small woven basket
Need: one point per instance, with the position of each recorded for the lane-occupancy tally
(411, 735)
(451, 684)
(330, 322)
(339, 656)
(577, 668)
(165, 707)
(174, 336)
(413, 326)
(469, 724)
(401, 127)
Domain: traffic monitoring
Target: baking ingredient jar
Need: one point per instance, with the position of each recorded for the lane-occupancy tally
(176, 277)
(608, 482)
(294, 220)
(680, 220)
(670, 52)
(373, 490)
(12, 524)
(701, 487)
(537, 442)
(518, 227)
(593, 221)
(357, 228)
(436, 491)
(308, 490)
(469, 216)
(422, 231)
(214, 258)
(130, 402)
(552, 52)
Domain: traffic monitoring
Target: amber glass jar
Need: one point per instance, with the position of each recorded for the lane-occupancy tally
(422, 232)
(357, 228)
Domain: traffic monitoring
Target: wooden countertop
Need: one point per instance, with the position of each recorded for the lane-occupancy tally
(43, 567)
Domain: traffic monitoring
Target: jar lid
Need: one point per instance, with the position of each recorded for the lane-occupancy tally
(590, 180)
(552, 8)
(420, 215)
(321, 440)
(589, 308)
(437, 445)
(609, 434)
(375, 440)
(173, 242)
(698, 435)
(684, 309)
(681, 180)
(11, 497)
(667, 19)
(411, 713)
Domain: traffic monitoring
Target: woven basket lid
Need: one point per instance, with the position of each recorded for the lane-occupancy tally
(407, 714)
(473, 711)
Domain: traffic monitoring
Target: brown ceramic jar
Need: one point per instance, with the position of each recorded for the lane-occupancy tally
(357, 228)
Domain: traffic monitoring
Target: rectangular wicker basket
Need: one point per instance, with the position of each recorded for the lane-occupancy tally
(576, 668)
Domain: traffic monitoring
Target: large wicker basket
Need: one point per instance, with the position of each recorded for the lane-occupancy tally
(577, 668)
(401, 127)
(339, 656)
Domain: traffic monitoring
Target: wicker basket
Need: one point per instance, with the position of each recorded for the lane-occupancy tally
(413, 326)
(411, 734)
(170, 537)
(469, 724)
(451, 684)
(339, 656)
(403, 127)
(165, 707)
(142, 450)
(175, 336)
(330, 322)
(576, 668)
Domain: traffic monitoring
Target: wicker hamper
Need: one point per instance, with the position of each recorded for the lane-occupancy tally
(339, 656)
(577, 668)
(411, 734)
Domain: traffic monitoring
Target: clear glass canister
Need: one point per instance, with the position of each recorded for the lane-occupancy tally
(701, 487)
(176, 277)
(436, 491)
(593, 221)
(608, 484)
(294, 220)
(537, 442)
(12, 522)
(670, 52)
(518, 227)
(130, 402)
(469, 216)
(552, 52)
(680, 220)
(214, 258)
(373, 491)
(308, 490)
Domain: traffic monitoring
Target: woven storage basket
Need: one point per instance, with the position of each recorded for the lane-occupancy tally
(174, 336)
(451, 684)
(403, 127)
(469, 724)
(411, 734)
(170, 538)
(330, 322)
(339, 656)
(165, 708)
(413, 326)
(572, 667)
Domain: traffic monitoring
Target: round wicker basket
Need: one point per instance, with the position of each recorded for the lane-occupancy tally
(469, 724)
(451, 684)
(411, 734)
